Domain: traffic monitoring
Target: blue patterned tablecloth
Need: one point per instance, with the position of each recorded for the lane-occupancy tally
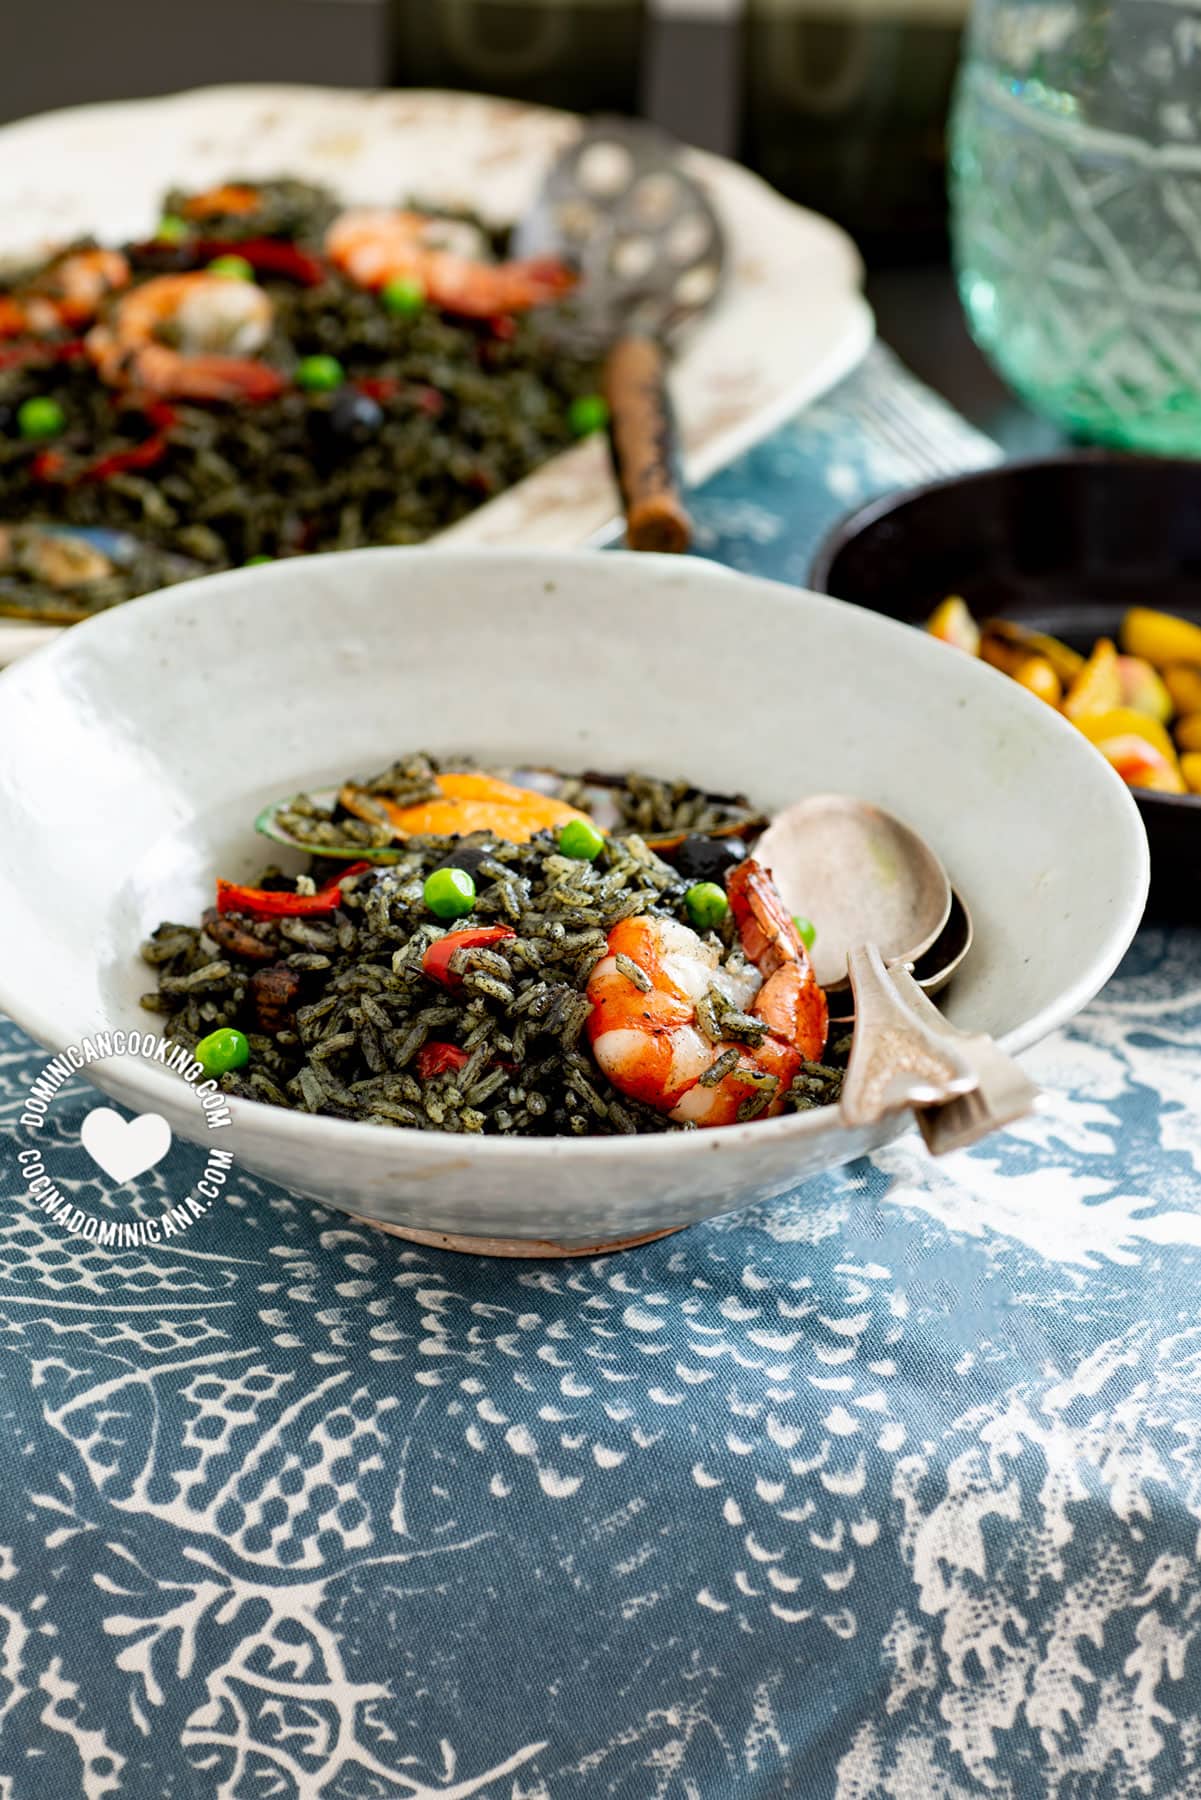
(889, 1490)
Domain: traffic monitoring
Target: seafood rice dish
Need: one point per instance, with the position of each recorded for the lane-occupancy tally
(506, 952)
(268, 373)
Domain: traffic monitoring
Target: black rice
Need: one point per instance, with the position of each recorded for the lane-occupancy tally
(463, 409)
(344, 1017)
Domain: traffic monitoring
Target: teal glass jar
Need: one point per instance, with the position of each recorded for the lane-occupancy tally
(1076, 211)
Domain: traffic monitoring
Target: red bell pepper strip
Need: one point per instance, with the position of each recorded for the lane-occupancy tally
(386, 387)
(266, 256)
(48, 465)
(263, 903)
(436, 961)
(140, 456)
(437, 1058)
(37, 351)
(52, 465)
(380, 387)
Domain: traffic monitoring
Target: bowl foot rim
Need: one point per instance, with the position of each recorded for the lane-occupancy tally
(515, 1247)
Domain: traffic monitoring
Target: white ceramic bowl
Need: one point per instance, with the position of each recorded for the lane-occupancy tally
(137, 749)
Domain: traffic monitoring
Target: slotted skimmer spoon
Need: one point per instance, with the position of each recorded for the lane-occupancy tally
(650, 252)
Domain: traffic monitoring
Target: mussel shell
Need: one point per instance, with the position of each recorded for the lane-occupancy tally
(742, 820)
(19, 601)
(22, 596)
(267, 825)
(746, 823)
(932, 971)
(361, 805)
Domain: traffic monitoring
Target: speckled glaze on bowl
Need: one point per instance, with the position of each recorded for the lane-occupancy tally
(139, 746)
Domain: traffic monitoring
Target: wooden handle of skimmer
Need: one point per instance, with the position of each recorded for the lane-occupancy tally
(642, 439)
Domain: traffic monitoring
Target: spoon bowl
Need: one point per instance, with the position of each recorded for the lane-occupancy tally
(932, 972)
(861, 876)
(935, 969)
(881, 903)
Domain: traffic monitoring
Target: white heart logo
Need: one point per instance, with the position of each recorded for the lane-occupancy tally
(124, 1148)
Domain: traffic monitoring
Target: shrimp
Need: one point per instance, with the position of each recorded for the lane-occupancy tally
(658, 1031)
(375, 247)
(82, 280)
(188, 337)
(67, 294)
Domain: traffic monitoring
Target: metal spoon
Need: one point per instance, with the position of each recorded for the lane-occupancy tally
(650, 251)
(878, 895)
(1003, 1092)
(932, 971)
(935, 969)
(861, 876)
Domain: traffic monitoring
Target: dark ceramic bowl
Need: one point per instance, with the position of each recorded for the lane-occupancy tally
(1065, 545)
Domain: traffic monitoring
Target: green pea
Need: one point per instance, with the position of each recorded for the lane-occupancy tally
(233, 268)
(806, 930)
(580, 839)
(405, 297)
(449, 893)
(588, 413)
(253, 562)
(40, 417)
(171, 229)
(222, 1050)
(707, 904)
(319, 374)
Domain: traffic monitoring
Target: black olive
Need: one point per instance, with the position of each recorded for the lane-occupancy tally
(701, 858)
(467, 857)
(353, 418)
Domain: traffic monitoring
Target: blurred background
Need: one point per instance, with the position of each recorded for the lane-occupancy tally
(841, 104)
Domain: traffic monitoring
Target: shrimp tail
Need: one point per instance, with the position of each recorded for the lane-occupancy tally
(212, 378)
(166, 374)
(375, 247)
(67, 296)
(794, 1009)
(790, 1001)
(481, 291)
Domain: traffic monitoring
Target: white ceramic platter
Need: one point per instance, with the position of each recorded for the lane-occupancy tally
(791, 320)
